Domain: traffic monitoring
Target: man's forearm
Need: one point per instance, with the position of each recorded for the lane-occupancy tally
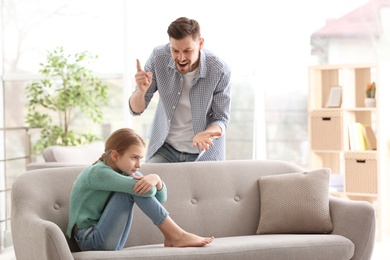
(137, 102)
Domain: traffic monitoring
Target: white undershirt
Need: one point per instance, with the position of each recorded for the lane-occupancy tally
(181, 132)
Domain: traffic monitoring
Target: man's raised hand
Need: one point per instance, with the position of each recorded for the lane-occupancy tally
(143, 78)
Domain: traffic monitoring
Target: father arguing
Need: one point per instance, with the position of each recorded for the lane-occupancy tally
(194, 86)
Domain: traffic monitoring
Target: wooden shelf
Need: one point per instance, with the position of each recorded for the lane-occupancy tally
(366, 173)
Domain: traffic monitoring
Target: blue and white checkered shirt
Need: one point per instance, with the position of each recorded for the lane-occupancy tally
(209, 98)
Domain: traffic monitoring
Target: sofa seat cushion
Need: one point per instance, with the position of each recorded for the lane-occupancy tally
(260, 247)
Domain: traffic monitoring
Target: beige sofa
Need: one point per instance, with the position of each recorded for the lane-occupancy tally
(220, 199)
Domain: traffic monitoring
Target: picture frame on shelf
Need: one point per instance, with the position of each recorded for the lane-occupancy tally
(335, 97)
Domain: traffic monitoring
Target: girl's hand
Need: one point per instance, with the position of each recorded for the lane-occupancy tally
(146, 183)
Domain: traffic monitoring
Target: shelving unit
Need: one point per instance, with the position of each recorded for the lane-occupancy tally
(365, 174)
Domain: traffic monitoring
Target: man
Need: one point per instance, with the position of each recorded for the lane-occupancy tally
(194, 85)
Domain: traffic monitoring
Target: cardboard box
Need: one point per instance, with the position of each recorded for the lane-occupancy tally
(326, 130)
(361, 173)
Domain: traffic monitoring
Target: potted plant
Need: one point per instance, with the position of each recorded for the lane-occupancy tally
(370, 101)
(67, 88)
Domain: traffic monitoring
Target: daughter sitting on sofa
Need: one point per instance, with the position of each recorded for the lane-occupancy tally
(103, 196)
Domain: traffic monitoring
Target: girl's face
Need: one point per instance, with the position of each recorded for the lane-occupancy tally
(130, 161)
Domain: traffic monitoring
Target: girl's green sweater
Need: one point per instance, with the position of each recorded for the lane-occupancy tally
(91, 192)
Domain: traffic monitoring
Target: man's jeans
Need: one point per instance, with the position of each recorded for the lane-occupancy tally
(168, 154)
(112, 230)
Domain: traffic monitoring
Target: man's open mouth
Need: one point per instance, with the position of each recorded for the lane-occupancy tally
(182, 64)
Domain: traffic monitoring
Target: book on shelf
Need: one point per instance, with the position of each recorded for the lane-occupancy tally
(361, 137)
(369, 138)
(356, 137)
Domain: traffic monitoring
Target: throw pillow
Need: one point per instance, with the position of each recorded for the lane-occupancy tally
(295, 203)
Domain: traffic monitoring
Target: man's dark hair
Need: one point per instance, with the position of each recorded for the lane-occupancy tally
(182, 27)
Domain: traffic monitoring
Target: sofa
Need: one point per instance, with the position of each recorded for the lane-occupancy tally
(68, 156)
(223, 199)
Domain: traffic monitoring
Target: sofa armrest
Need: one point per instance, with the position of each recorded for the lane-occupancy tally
(35, 238)
(354, 220)
(35, 215)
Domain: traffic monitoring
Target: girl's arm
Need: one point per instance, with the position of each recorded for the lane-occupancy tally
(105, 178)
(150, 180)
(146, 183)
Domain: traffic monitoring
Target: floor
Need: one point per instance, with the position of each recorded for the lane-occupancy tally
(381, 252)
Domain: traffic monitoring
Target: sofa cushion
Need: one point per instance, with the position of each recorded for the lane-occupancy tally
(83, 154)
(266, 247)
(295, 203)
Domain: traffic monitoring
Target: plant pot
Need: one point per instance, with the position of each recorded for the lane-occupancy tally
(370, 102)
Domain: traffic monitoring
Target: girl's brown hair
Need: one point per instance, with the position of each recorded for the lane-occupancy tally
(120, 141)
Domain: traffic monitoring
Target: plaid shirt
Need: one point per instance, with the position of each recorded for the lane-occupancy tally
(209, 98)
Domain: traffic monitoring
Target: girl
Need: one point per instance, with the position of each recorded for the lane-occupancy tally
(103, 196)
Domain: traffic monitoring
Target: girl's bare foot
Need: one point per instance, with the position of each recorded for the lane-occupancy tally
(175, 236)
(167, 243)
(188, 240)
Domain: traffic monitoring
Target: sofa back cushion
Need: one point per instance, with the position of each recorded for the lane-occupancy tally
(82, 154)
(207, 198)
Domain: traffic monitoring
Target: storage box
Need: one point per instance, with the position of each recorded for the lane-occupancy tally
(326, 130)
(361, 173)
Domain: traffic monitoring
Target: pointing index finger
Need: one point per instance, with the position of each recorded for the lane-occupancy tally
(138, 66)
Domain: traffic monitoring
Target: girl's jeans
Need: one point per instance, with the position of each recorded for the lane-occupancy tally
(113, 228)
